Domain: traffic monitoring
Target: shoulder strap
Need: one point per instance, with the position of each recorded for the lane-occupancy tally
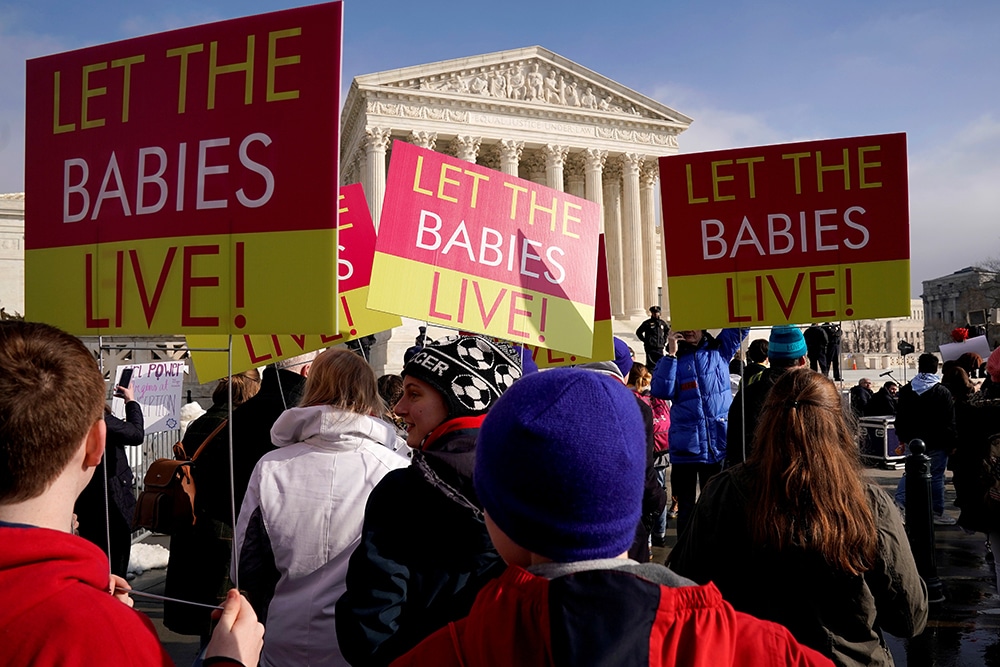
(210, 438)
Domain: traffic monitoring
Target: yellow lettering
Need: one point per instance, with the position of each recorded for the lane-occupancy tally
(567, 218)
(340, 200)
(513, 199)
(535, 207)
(716, 179)
(416, 178)
(274, 62)
(57, 128)
(215, 70)
(445, 168)
(862, 166)
(798, 174)
(844, 167)
(690, 182)
(184, 52)
(749, 162)
(88, 92)
(476, 177)
(127, 83)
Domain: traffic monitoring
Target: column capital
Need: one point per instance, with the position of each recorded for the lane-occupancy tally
(631, 163)
(613, 168)
(534, 162)
(574, 167)
(554, 154)
(377, 138)
(649, 173)
(423, 138)
(594, 158)
(466, 147)
(511, 149)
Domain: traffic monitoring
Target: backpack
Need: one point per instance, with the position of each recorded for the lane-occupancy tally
(661, 422)
(166, 504)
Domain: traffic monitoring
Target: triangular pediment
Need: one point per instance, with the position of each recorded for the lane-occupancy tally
(523, 77)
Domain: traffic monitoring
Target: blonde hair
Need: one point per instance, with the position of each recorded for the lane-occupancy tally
(639, 377)
(344, 380)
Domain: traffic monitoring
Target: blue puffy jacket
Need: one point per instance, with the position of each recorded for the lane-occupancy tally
(697, 384)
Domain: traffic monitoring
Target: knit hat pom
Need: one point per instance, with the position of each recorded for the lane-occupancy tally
(560, 465)
(786, 342)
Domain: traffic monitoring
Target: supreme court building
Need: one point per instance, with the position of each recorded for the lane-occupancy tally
(531, 113)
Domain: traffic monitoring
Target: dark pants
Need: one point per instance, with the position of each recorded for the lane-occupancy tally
(94, 529)
(818, 362)
(686, 479)
(833, 359)
(652, 357)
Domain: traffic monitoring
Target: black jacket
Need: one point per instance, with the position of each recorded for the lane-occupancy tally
(929, 416)
(744, 413)
(423, 557)
(121, 497)
(653, 334)
(882, 403)
(252, 422)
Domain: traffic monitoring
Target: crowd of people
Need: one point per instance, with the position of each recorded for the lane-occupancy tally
(476, 511)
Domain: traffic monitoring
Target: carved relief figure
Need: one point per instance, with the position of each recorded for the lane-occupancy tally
(455, 84)
(498, 84)
(588, 99)
(478, 85)
(552, 88)
(572, 96)
(536, 89)
(605, 104)
(515, 87)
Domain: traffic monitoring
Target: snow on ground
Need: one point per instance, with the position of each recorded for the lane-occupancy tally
(146, 557)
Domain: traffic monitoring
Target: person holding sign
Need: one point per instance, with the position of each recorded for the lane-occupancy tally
(58, 603)
(97, 519)
(694, 377)
(425, 552)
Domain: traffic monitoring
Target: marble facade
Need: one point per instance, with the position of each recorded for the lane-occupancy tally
(535, 114)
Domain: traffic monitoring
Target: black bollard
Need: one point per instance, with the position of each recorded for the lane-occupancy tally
(919, 518)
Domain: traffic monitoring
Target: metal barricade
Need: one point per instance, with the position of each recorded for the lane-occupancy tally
(155, 446)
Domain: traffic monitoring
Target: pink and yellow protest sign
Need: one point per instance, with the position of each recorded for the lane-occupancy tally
(791, 233)
(181, 182)
(604, 343)
(474, 249)
(356, 245)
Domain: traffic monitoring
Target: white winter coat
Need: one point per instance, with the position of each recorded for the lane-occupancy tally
(301, 520)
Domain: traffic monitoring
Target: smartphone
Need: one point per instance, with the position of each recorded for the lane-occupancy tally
(125, 380)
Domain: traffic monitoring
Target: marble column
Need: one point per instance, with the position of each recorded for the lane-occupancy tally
(555, 156)
(647, 212)
(631, 237)
(613, 231)
(510, 155)
(576, 183)
(467, 147)
(423, 139)
(373, 180)
(534, 163)
(594, 168)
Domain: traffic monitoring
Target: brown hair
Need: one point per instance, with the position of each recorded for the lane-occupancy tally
(809, 487)
(340, 378)
(639, 377)
(969, 362)
(245, 386)
(51, 393)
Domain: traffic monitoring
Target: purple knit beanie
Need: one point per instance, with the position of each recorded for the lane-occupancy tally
(623, 357)
(560, 464)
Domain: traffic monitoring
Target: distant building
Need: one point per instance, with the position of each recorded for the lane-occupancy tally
(882, 336)
(950, 302)
(12, 253)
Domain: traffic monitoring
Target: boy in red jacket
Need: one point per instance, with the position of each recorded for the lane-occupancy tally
(58, 600)
(562, 490)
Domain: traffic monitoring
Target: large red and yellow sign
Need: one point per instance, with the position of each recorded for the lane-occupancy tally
(474, 249)
(356, 245)
(792, 233)
(604, 342)
(183, 182)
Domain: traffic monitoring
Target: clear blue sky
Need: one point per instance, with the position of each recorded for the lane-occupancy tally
(749, 73)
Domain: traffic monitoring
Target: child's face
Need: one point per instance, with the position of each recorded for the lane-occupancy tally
(422, 409)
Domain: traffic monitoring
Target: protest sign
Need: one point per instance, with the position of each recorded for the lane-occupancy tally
(604, 343)
(466, 247)
(356, 245)
(976, 345)
(806, 232)
(157, 388)
(165, 173)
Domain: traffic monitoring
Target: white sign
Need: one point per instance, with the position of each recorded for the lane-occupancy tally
(978, 345)
(157, 388)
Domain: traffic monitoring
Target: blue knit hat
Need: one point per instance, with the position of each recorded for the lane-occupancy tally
(623, 357)
(560, 464)
(786, 342)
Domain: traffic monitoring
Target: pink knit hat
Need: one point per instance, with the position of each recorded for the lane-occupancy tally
(993, 365)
